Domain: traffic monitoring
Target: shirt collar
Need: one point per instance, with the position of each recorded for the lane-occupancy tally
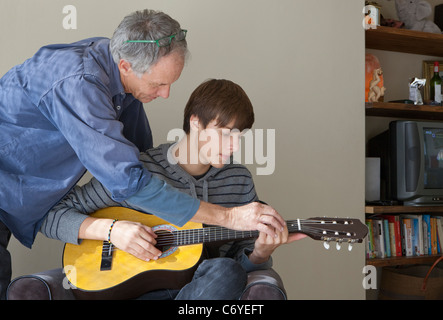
(114, 75)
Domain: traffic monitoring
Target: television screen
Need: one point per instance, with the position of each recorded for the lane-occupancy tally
(433, 158)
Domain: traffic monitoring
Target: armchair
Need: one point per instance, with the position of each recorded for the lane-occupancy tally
(48, 285)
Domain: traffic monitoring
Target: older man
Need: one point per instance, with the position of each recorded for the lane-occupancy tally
(77, 107)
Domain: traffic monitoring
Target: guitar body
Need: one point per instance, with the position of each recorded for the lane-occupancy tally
(128, 276)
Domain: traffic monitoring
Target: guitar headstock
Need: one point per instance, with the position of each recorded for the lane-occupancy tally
(335, 229)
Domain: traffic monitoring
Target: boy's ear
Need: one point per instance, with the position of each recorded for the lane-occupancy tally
(194, 122)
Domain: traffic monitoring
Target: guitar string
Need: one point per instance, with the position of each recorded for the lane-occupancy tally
(171, 240)
(220, 230)
(290, 224)
(166, 237)
(188, 236)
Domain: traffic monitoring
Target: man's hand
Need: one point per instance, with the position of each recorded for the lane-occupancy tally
(257, 216)
(253, 216)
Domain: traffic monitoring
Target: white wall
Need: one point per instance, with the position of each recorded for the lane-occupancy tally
(301, 63)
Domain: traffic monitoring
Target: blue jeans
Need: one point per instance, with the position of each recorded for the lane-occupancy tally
(5, 260)
(214, 279)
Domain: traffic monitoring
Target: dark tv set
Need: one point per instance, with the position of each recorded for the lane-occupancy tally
(411, 162)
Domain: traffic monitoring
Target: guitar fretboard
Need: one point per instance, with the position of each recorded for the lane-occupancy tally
(212, 234)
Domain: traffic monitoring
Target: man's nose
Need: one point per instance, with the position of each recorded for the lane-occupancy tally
(164, 92)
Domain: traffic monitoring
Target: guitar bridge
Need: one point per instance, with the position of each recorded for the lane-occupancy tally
(107, 250)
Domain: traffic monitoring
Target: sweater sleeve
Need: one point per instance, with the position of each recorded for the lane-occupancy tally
(240, 251)
(64, 219)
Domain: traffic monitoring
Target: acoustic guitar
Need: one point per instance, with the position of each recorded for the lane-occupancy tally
(99, 270)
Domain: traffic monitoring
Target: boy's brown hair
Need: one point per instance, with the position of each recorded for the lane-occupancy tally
(220, 100)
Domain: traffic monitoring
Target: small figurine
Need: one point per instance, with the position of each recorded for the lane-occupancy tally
(374, 88)
(375, 92)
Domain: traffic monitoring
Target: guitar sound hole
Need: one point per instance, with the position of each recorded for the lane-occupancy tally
(165, 241)
(163, 248)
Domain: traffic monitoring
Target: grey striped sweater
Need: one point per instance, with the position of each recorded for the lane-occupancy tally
(229, 186)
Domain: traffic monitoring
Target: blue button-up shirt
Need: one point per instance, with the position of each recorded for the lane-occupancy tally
(61, 112)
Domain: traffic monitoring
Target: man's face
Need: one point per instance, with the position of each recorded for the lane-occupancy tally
(154, 83)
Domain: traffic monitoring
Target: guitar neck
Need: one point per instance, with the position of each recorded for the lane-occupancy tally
(322, 228)
(215, 234)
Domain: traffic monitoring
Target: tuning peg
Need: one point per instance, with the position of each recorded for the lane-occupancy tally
(338, 245)
(350, 247)
(326, 245)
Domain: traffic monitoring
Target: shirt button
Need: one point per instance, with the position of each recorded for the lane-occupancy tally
(118, 107)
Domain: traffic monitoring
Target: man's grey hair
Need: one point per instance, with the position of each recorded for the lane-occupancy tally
(145, 25)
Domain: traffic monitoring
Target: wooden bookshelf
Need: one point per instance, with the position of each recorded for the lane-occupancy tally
(406, 41)
(398, 261)
(395, 261)
(403, 209)
(401, 110)
(414, 42)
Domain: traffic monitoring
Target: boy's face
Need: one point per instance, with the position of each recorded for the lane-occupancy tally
(217, 144)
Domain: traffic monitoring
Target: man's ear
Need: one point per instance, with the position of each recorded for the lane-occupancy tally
(194, 122)
(124, 67)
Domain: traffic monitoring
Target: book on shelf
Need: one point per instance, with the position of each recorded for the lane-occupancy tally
(404, 235)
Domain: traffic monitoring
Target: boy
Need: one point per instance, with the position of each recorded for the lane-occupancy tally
(215, 115)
